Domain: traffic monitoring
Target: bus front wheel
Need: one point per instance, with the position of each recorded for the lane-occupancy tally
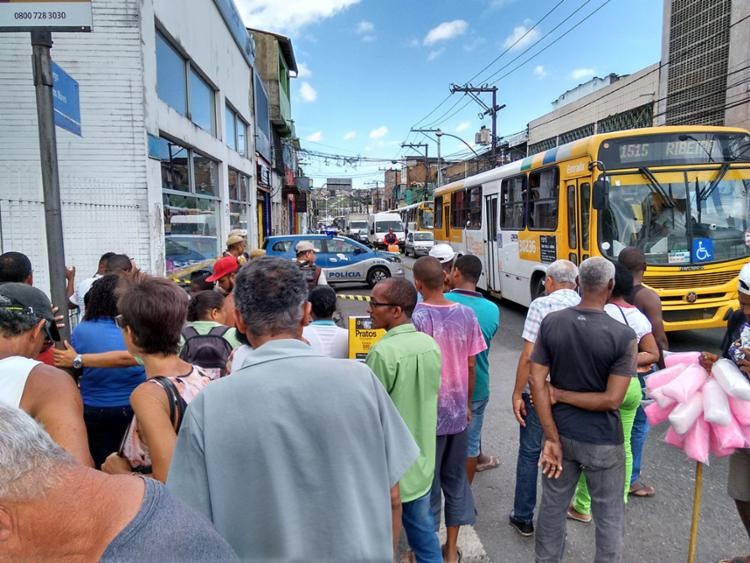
(537, 286)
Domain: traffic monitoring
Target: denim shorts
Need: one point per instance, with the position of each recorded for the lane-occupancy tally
(475, 428)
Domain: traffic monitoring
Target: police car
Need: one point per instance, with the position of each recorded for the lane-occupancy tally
(343, 259)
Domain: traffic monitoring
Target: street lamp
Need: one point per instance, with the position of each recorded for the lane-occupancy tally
(438, 134)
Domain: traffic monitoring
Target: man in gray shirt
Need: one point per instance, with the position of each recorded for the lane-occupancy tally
(53, 509)
(293, 456)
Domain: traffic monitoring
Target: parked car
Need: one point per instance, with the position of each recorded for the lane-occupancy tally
(343, 260)
(419, 243)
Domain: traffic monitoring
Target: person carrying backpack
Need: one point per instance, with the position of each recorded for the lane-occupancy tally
(206, 340)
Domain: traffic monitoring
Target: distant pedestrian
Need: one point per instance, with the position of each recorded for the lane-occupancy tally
(236, 245)
(152, 312)
(83, 287)
(27, 327)
(590, 359)
(445, 254)
(198, 282)
(648, 302)
(120, 264)
(15, 267)
(296, 456)
(407, 362)
(463, 280)
(390, 239)
(225, 272)
(54, 509)
(332, 340)
(456, 330)
(559, 283)
(314, 275)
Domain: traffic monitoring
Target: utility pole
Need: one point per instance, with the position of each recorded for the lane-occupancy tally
(488, 110)
(373, 194)
(437, 133)
(426, 163)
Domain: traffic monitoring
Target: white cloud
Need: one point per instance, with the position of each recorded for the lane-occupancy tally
(379, 133)
(463, 126)
(308, 93)
(303, 71)
(315, 137)
(540, 72)
(445, 31)
(435, 54)
(497, 4)
(521, 36)
(366, 30)
(350, 135)
(581, 73)
(289, 16)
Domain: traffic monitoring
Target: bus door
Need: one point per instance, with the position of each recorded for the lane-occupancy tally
(491, 254)
(578, 197)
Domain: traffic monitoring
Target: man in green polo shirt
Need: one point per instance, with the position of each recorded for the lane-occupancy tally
(407, 362)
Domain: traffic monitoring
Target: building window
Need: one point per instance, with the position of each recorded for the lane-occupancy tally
(241, 136)
(170, 75)
(236, 131)
(231, 133)
(201, 102)
(205, 174)
(239, 200)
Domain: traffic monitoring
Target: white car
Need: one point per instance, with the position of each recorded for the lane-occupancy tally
(419, 243)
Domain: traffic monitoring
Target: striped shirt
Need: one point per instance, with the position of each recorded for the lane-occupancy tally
(543, 306)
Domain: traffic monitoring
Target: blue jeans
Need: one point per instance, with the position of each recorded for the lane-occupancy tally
(419, 525)
(475, 427)
(527, 468)
(637, 440)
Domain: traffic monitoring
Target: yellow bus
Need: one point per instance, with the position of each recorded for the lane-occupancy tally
(417, 216)
(680, 194)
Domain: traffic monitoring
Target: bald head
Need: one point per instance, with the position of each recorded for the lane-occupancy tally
(401, 292)
(429, 272)
(633, 259)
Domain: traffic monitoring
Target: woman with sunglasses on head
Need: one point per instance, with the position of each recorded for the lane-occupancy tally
(105, 390)
(152, 312)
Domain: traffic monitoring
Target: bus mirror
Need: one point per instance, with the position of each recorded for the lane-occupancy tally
(600, 196)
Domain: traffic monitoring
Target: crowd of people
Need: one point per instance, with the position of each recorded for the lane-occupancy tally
(224, 421)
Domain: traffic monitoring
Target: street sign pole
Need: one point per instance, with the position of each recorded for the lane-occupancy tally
(41, 42)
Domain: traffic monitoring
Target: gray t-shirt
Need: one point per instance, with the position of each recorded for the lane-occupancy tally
(293, 456)
(582, 348)
(166, 530)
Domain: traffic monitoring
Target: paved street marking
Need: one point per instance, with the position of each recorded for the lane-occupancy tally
(353, 297)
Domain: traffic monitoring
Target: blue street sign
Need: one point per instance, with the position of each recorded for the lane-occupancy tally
(703, 249)
(65, 100)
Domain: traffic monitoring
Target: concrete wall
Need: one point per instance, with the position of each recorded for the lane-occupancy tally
(625, 94)
(738, 80)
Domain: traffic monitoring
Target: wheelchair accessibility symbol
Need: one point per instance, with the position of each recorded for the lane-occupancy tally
(703, 249)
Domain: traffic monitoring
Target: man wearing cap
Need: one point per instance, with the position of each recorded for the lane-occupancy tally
(27, 326)
(225, 270)
(236, 246)
(314, 275)
(445, 254)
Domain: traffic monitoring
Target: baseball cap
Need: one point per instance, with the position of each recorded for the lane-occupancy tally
(234, 239)
(304, 246)
(24, 299)
(443, 252)
(223, 267)
(744, 280)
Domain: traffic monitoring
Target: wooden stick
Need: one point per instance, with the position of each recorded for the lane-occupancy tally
(696, 511)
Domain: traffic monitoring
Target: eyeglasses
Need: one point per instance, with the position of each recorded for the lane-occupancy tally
(378, 304)
(120, 322)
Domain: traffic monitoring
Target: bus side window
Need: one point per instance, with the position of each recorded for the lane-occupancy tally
(513, 203)
(439, 214)
(474, 208)
(544, 200)
(457, 209)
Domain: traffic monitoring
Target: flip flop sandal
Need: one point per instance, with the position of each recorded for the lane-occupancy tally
(458, 551)
(491, 464)
(736, 560)
(639, 489)
(573, 514)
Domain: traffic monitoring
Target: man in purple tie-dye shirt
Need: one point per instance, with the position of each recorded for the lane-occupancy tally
(456, 330)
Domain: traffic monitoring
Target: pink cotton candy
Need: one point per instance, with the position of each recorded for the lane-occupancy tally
(664, 376)
(715, 403)
(674, 439)
(717, 450)
(684, 416)
(656, 414)
(681, 358)
(729, 436)
(740, 409)
(746, 433)
(731, 379)
(662, 401)
(684, 386)
(697, 441)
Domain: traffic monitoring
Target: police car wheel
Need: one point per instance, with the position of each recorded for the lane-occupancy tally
(376, 275)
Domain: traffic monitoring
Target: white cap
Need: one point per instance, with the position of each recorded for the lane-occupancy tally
(443, 252)
(744, 280)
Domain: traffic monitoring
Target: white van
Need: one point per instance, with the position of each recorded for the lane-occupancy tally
(378, 225)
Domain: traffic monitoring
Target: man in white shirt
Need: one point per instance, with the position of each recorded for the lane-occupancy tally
(84, 285)
(322, 332)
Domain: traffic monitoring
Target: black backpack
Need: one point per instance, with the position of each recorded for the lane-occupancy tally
(210, 350)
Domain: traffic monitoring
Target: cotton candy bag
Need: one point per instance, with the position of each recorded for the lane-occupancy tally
(685, 385)
(731, 379)
(740, 410)
(697, 440)
(681, 358)
(656, 414)
(684, 415)
(715, 404)
(664, 376)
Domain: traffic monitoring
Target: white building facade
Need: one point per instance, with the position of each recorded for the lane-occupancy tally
(165, 166)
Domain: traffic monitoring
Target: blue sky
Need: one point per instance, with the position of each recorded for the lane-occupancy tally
(372, 69)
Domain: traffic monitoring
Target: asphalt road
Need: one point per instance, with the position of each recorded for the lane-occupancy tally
(657, 528)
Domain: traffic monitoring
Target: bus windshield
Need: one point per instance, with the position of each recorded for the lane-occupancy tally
(383, 226)
(678, 218)
(427, 218)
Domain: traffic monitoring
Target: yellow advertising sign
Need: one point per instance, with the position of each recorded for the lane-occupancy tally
(362, 336)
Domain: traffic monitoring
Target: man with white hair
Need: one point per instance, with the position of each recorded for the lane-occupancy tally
(559, 287)
(590, 359)
(53, 509)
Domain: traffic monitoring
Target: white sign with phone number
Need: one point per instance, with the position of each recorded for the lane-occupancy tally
(17, 15)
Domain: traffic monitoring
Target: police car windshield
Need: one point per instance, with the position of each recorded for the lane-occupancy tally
(383, 226)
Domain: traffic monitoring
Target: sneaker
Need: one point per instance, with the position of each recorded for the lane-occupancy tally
(526, 529)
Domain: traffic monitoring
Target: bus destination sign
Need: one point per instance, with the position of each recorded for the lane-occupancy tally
(28, 15)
